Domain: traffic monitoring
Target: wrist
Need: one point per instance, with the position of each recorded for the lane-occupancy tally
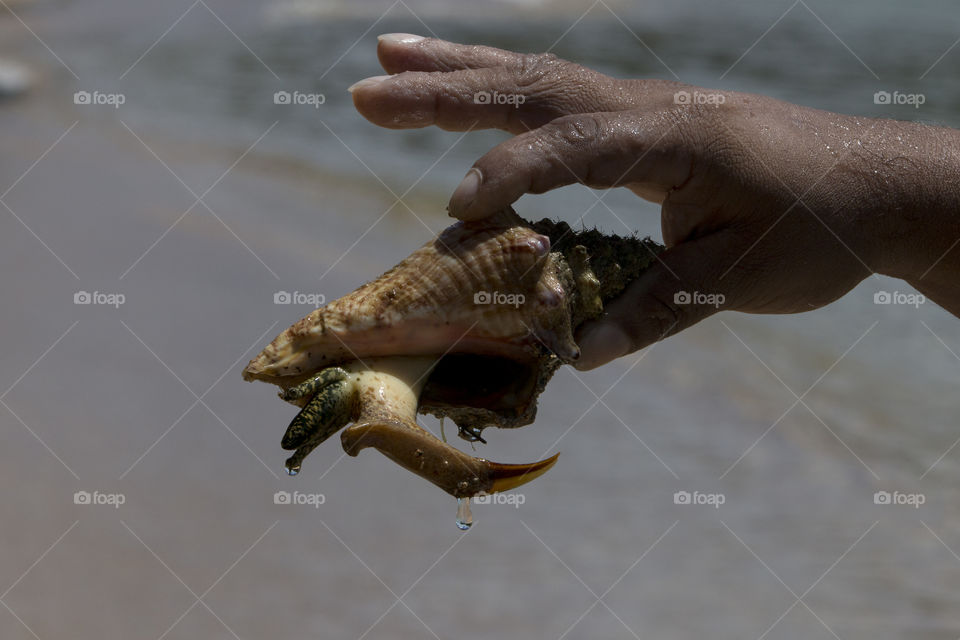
(914, 200)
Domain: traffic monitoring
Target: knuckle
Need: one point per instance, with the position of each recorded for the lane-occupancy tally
(544, 73)
(558, 86)
(565, 147)
(531, 67)
(578, 131)
(570, 149)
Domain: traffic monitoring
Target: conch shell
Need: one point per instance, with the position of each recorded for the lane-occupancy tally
(492, 305)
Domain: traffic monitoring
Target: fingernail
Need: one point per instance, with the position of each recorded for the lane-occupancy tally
(399, 38)
(367, 83)
(600, 343)
(465, 192)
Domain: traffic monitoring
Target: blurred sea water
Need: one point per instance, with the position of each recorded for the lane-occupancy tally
(199, 198)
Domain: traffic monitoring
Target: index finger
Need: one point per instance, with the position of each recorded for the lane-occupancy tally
(462, 87)
(400, 52)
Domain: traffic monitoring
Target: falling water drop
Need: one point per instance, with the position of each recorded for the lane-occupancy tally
(292, 471)
(464, 517)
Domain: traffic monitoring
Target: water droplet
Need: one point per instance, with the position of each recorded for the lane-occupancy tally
(464, 517)
(292, 471)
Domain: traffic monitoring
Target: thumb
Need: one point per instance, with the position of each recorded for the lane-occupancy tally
(681, 289)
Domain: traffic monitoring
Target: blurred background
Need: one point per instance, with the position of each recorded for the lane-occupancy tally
(138, 473)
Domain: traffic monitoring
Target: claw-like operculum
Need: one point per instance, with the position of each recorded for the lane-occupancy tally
(329, 410)
(457, 473)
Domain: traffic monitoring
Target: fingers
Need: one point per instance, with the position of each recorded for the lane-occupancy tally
(683, 288)
(489, 98)
(461, 87)
(400, 52)
(653, 152)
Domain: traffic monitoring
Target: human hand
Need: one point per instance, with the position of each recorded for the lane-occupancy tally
(766, 206)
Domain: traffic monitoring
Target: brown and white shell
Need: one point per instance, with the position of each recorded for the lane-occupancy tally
(496, 301)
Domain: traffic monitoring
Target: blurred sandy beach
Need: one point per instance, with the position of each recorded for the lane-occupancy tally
(199, 198)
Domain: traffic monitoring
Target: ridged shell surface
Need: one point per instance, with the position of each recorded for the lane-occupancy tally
(491, 287)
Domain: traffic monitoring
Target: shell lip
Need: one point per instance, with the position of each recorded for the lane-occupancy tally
(272, 364)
